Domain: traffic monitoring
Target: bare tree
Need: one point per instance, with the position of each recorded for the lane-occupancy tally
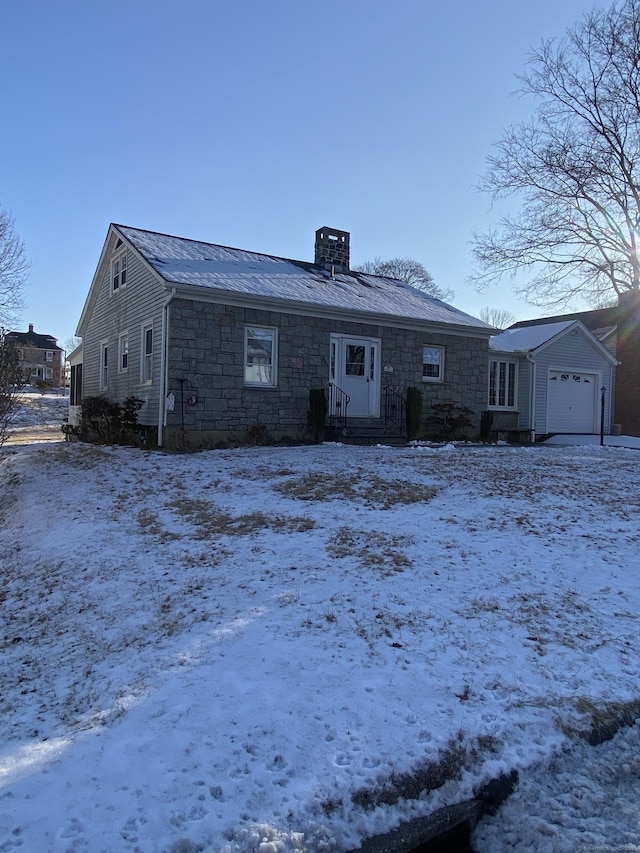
(14, 269)
(575, 167)
(10, 383)
(499, 318)
(411, 272)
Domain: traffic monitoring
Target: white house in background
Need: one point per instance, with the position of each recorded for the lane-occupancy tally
(549, 378)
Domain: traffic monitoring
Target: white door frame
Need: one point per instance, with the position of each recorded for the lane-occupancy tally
(365, 398)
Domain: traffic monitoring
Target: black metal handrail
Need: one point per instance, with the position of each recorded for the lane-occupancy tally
(395, 408)
(338, 405)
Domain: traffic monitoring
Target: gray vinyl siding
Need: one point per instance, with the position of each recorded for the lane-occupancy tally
(128, 310)
(573, 352)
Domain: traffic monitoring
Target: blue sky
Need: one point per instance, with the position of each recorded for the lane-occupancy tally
(252, 123)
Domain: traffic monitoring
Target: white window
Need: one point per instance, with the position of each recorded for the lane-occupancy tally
(123, 352)
(502, 384)
(48, 373)
(432, 364)
(260, 356)
(104, 366)
(118, 272)
(48, 355)
(146, 365)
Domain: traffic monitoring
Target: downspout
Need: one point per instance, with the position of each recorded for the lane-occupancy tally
(532, 397)
(164, 364)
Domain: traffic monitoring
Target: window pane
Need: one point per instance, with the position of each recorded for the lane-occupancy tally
(432, 362)
(355, 360)
(259, 361)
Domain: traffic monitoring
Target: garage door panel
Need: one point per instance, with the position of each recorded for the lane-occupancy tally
(571, 401)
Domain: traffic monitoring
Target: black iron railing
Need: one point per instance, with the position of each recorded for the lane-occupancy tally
(394, 408)
(338, 405)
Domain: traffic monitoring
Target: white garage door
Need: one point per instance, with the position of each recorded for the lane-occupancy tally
(572, 402)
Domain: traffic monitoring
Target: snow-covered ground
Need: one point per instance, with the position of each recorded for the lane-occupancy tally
(278, 649)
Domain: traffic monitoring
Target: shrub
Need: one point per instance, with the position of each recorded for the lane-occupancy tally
(318, 409)
(486, 422)
(449, 421)
(106, 422)
(42, 386)
(413, 412)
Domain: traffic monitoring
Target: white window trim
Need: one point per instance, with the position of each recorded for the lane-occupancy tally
(439, 378)
(123, 337)
(48, 373)
(274, 357)
(117, 258)
(48, 355)
(495, 407)
(104, 369)
(144, 356)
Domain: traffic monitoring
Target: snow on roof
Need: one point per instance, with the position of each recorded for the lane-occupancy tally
(192, 263)
(527, 338)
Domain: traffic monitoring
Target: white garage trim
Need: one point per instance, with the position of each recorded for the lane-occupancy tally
(573, 400)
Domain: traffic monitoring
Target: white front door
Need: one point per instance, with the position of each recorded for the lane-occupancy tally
(355, 369)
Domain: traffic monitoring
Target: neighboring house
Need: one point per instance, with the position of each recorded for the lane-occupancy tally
(549, 378)
(40, 356)
(221, 342)
(618, 328)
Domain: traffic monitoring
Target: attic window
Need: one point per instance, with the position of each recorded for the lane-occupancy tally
(119, 271)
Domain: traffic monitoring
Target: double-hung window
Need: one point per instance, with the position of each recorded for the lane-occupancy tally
(432, 364)
(118, 272)
(146, 365)
(48, 355)
(104, 366)
(260, 356)
(502, 384)
(123, 353)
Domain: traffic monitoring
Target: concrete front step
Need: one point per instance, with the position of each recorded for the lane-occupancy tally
(365, 433)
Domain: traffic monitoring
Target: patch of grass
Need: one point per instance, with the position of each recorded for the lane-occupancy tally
(376, 492)
(372, 549)
(211, 521)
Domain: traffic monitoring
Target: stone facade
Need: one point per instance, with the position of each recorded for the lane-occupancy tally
(212, 402)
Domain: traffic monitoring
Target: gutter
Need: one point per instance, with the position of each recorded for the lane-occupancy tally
(164, 365)
(532, 396)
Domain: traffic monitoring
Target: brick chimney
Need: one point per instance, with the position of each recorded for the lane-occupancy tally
(31, 328)
(628, 371)
(332, 249)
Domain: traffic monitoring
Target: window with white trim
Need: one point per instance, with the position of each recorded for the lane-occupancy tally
(48, 355)
(432, 364)
(48, 373)
(502, 384)
(104, 366)
(118, 271)
(123, 353)
(260, 356)
(146, 365)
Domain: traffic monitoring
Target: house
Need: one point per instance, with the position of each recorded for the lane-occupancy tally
(221, 342)
(40, 356)
(553, 377)
(618, 328)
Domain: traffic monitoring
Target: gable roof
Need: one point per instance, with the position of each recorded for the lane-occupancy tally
(216, 271)
(533, 338)
(601, 321)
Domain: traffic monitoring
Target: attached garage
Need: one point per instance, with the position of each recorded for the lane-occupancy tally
(572, 402)
(548, 378)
